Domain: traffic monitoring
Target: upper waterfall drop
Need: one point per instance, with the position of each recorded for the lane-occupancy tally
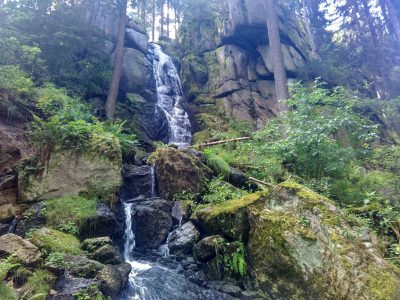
(170, 98)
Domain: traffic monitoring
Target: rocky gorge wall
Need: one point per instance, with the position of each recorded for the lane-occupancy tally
(227, 61)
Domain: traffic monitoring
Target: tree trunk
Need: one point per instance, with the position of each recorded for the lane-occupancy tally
(377, 71)
(281, 87)
(119, 56)
(311, 37)
(162, 19)
(153, 20)
(143, 13)
(394, 18)
(168, 20)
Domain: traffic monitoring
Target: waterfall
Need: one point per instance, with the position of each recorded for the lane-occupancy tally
(170, 98)
(153, 181)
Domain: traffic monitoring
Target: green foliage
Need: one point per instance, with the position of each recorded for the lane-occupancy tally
(232, 258)
(70, 125)
(70, 214)
(38, 285)
(90, 293)
(220, 191)
(6, 265)
(57, 258)
(7, 293)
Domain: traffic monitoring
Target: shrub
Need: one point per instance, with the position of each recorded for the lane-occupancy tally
(220, 191)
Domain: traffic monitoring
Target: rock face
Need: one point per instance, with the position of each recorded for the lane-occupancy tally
(301, 246)
(138, 181)
(66, 174)
(134, 71)
(230, 60)
(152, 222)
(183, 238)
(11, 244)
(179, 171)
(137, 40)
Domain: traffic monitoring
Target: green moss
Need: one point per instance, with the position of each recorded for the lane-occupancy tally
(60, 211)
(381, 285)
(51, 240)
(228, 207)
(38, 285)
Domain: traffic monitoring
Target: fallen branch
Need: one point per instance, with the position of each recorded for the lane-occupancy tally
(221, 142)
(260, 182)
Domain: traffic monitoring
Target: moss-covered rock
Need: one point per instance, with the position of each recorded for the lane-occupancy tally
(51, 240)
(68, 173)
(229, 218)
(179, 171)
(302, 247)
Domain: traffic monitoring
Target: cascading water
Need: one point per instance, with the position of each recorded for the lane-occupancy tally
(170, 98)
(151, 280)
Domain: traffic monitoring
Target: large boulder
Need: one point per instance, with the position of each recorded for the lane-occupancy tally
(113, 278)
(107, 254)
(188, 172)
(229, 219)
(104, 223)
(82, 267)
(152, 222)
(183, 238)
(134, 71)
(66, 173)
(138, 181)
(302, 246)
(11, 244)
(136, 40)
(207, 248)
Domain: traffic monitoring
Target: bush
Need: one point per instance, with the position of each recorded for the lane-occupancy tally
(220, 191)
(69, 124)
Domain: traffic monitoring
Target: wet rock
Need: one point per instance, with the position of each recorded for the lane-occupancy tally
(181, 211)
(107, 254)
(68, 286)
(32, 218)
(136, 40)
(103, 224)
(188, 172)
(183, 238)
(4, 228)
(207, 248)
(11, 244)
(152, 222)
(137, 181)
(174, 286)
(95, 243)
(113, 278)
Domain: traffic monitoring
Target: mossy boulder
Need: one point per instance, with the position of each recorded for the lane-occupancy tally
(179, 171)
(67, 173)
(302, 247)
(51, 240)
(229, 218)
